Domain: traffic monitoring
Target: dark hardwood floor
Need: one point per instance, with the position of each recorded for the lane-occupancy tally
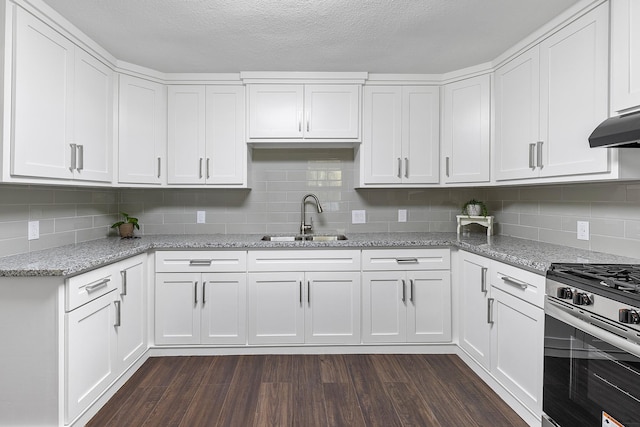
(306, 390)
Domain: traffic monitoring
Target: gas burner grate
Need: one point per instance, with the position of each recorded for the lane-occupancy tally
(621, 277)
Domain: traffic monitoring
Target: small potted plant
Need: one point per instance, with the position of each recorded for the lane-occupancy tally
(474, 208)
(126, 226)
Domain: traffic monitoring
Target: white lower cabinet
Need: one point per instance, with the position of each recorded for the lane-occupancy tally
(132, 330)
(200, 298)
(406, 296)
(290, 305)
(502, 325)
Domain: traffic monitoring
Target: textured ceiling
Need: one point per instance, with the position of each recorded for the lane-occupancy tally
(380, 36)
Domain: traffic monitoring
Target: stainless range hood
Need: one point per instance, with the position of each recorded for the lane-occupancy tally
(619, 131)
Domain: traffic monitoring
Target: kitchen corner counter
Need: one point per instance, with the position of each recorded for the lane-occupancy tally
(74, 259)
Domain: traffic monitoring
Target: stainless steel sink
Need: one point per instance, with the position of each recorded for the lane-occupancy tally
(310, 237)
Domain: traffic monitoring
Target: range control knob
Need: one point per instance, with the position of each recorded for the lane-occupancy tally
(581, 298)
(564, 293)
(629, 316)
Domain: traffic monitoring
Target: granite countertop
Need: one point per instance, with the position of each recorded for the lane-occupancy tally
(74, 259)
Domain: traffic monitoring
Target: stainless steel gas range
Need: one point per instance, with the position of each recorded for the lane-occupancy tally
(592, 346)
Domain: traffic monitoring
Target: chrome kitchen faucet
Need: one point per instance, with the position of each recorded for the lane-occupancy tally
(304, 227)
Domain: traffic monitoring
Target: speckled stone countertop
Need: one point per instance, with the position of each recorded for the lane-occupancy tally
(73, 259)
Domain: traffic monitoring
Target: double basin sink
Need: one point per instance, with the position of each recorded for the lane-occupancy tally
(308, 237)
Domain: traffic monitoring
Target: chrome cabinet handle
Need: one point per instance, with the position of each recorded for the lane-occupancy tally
(406, 167)
(159, 165)
(404, 291)
(300, 290)
(80, 149)
(532, 149)
(204, 296)
(483, 280)
(200, 168)
(195, 293)
(299, 121)
(200, 262)
(539, 154)
(308, 119)
(411, 286)
(96, 286)
(490, 311)
(124, 282)
(208, 161)
(118, 313)
(515, 282)
(407, 260)
(399, 167)
(73, 157)
(309, 292)
(446, 166)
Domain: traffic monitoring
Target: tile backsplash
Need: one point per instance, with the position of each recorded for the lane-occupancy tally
(280, 178)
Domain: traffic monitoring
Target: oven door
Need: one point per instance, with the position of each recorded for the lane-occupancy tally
(591, 375)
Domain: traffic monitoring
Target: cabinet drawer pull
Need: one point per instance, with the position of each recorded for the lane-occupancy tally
(101, 284)
(446, 166)
(490, 311)
(532, 149)
(300, 290)
(309, 292)
(124, 282)
(204, 295)
(399, 167)
(159, 166)
(200, 168)
(200, 262)
(407, 260)
(483, 280)
(404, 291)
(406, 167)
(80, 158)
(515, 282)
(195, 293)
(208, 169)
(411, 286)
(118, 314)
(539, 154)
(73, 157)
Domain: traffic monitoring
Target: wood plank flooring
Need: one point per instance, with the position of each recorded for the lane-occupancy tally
(306, 390)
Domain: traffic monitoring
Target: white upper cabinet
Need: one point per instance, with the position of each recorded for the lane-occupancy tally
(206, 135)
(625, 55)
(549, 100)
(466, 130)
(303, 112)
(400, 136)
(69, 95)
(142, 140)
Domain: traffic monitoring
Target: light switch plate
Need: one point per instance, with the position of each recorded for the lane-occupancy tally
(402, 215)
(34, 230)
(201, 217)
(583, 230)
(358, 217)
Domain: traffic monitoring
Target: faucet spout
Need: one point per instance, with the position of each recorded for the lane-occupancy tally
(304, 227)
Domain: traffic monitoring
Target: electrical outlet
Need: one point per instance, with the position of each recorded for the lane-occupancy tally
(583, 230)
(402, 215)
(358, 217)
(201, 217)
(34, 230)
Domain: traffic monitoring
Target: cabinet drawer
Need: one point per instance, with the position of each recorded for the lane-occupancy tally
(89, 286)
(406, 259)
(520, 283)
(306, 260)
(200, 261)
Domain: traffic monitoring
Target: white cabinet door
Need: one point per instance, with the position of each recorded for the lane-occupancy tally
(332, 312)
(275, 111)
(132, 332)
(91, 352)
(517, 116)
(382, 135)
(331, 111)
(42, 100)
(428, 303)
(466, 130)
(276, 310)
(177, 317)
(224, 308)
(517, 341)
(475, 329)
(186, 134)
(142, 137)
(226, 148)
(625, 55)
(573, 95)
(420, 134)
(93, 118)
(384, 312)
